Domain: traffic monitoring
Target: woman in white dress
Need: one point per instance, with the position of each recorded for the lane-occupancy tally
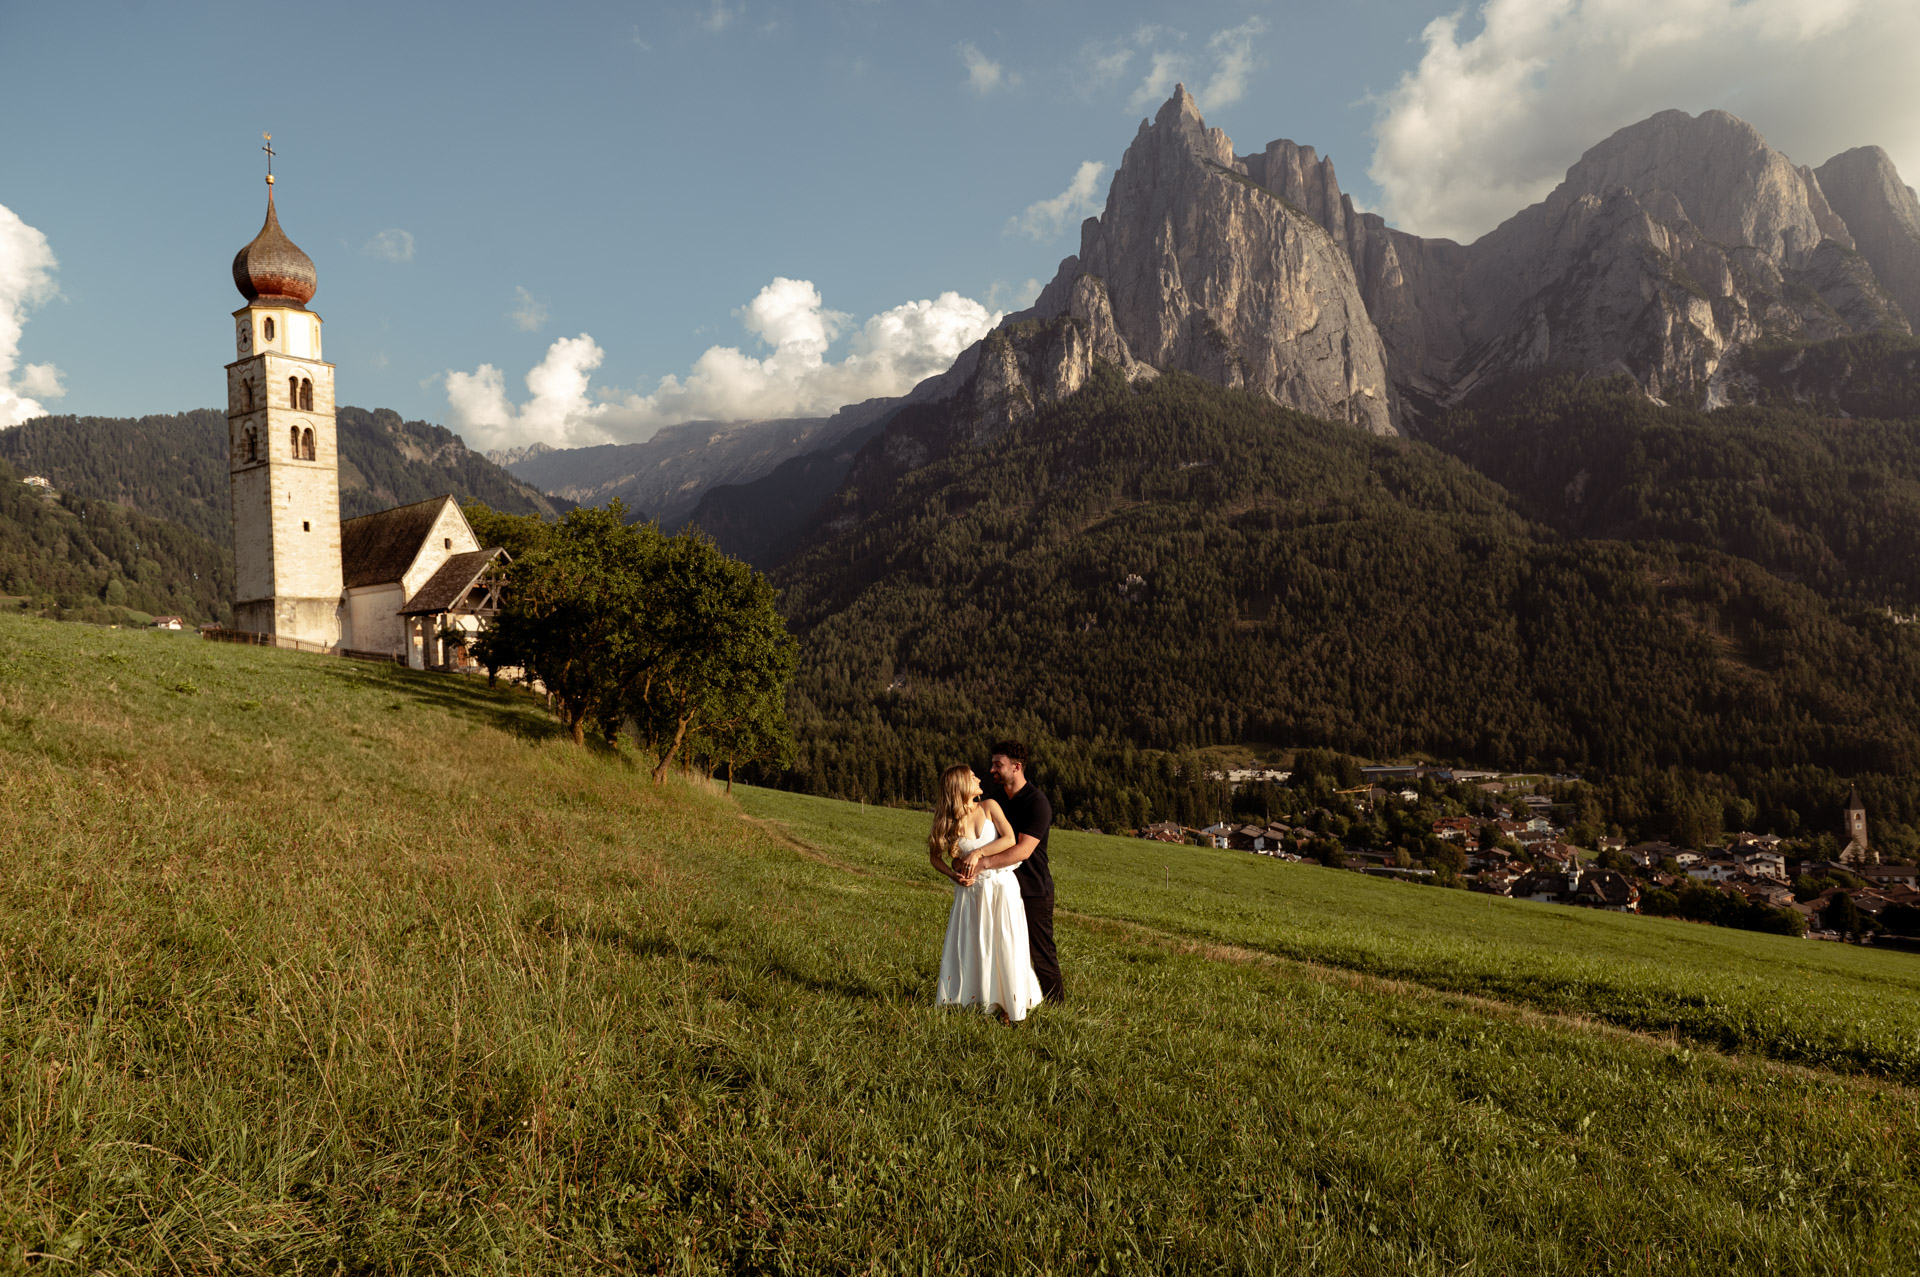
(987, 962)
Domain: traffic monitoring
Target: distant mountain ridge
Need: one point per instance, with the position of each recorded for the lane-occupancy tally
(1673, 249)
(665, 476)
(1670, 246)
(174, 466)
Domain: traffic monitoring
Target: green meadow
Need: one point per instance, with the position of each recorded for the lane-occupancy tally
(1801, 1001)
(314, 966)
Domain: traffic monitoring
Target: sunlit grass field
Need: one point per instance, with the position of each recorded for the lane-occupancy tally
(1804, 1001)
(313, 966)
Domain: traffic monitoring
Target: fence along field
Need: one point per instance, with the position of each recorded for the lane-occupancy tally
(317, 965)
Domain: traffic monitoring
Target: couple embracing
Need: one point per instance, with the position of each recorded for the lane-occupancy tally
(999, 954)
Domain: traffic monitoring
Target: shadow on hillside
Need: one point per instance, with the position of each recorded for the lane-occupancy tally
(505, 708)
(756, 965)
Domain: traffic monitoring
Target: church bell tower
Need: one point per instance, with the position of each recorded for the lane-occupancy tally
(283, 471)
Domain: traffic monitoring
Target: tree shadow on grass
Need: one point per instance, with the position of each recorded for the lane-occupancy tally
(749, 965)
(505, 708)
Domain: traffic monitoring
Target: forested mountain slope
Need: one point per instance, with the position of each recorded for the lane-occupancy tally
(174, 467)
(1831, 502)
(91, 559)
(385, 462)
(167, 466)
(1179, 565)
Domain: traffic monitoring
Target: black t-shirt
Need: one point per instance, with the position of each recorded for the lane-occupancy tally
(1030, 813)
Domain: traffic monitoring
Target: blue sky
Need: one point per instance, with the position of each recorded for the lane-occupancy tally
(607, 192)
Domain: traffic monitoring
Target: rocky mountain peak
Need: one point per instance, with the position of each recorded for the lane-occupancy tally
(1719, 173)
(1884, 215)
(1669, 246)
(1206, 268)
(1298, 175)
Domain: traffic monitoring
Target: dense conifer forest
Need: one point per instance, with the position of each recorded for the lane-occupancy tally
(1828, 501)
(1133, 575)
(98, 561)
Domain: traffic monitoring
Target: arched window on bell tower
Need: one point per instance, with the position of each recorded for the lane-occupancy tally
(248, 387)
(293, 392)
(306, 394)
(293, 441)
(306, 444)
(253, 444)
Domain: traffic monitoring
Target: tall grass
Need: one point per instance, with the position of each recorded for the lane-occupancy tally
(318, 967)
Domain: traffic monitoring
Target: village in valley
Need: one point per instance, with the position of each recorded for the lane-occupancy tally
(1514, 835)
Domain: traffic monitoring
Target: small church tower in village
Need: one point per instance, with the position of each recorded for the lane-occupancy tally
(1857, 851)
(282, 465)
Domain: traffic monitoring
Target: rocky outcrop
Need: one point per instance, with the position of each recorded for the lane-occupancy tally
(1209, 270)
(1669, 245)
(1883, 214)
(1715, 171)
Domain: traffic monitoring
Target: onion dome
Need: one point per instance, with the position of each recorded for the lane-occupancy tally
(271, 269)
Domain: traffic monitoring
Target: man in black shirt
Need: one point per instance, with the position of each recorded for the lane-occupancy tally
(1031, 815)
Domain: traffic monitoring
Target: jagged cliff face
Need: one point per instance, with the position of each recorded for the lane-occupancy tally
(1884, 216)
(1194, 265)
(1669, 247)
(1209, 270)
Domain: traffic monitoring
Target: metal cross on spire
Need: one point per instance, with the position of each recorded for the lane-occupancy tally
(268, 148)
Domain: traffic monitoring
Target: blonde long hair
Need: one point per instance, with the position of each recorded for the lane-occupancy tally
(951, 810)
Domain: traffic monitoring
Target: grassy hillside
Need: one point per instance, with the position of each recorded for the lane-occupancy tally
(312, 965)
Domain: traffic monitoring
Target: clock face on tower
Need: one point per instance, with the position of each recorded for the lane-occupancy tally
(245, 334)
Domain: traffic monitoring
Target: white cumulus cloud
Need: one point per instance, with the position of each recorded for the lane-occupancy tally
(1489, 120)
(887, 355)
(391, 245)
(983, 73)
(27, 264)
(1044, 219)
(1165, 67)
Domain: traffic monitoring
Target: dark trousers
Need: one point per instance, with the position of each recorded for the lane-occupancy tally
(1046, 963)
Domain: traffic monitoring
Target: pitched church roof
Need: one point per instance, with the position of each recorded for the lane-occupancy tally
(1854, 803)
(453, 579)
(377, 548)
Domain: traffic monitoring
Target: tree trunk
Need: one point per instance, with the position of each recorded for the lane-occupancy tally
(577, 724)
(679, 735)
(729, 776)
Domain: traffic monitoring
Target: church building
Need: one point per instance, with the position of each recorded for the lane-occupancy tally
(1857, 851)
(408, 583)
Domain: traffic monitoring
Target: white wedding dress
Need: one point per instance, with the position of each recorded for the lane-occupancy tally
(987, 962)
